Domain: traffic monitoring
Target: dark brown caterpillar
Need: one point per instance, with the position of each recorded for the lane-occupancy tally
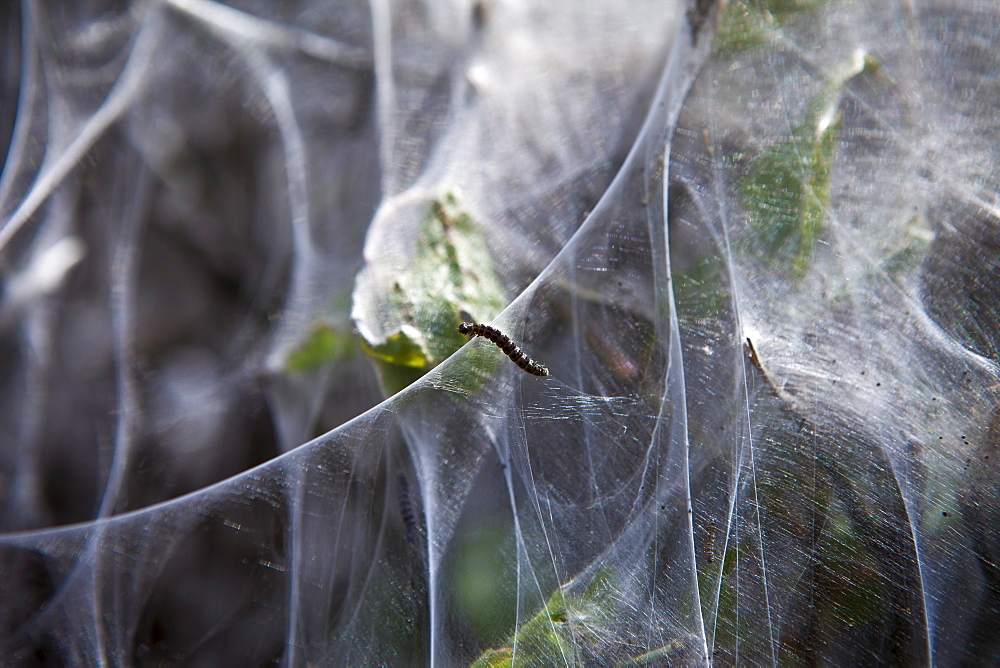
(406, 509)
(710, 548)
(504, 343)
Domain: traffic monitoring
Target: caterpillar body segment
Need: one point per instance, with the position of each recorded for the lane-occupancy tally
(503, 342)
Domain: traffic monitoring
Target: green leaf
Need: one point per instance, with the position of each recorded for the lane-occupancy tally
(748, 24)
(562, 629)
(450, 278)
(787, 192)
(324, 345)
(495, 658)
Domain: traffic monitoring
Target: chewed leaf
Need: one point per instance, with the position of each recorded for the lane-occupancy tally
(405, 348)
(787, 193)
(450, 274)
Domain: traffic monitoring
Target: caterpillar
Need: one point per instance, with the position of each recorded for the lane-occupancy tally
(710, 549)
(504, 343)
(406, 509)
